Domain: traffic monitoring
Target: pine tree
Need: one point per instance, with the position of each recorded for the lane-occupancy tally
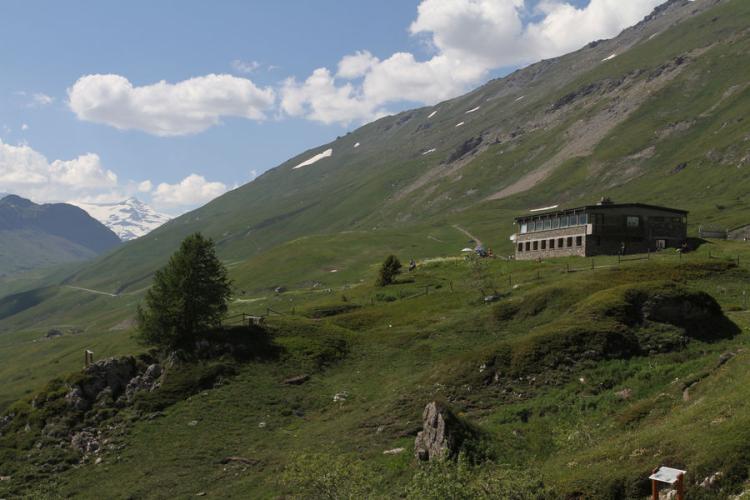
(188, 297)
(389, 270)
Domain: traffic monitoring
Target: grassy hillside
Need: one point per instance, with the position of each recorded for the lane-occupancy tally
(538, 372)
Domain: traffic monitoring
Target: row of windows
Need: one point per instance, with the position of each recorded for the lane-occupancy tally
(547, 223)
(552, 244)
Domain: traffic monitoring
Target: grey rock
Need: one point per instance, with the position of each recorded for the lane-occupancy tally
(149, 381)
(85, 442)
(443, 433)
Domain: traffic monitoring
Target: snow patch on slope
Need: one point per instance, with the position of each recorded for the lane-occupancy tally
(473, 110)
(325, 154)
(429, 151)
(129, 219)
(609, 58)
(460, 124)
(432, 114)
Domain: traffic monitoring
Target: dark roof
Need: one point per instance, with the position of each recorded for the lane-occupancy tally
(601, 207)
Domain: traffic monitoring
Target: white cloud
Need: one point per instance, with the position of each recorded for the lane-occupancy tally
(167, 109)
(245, 66)
(192, 190)
(145, 186)
(24, 127)
(470, 38)
(356, 65)
(26, 172)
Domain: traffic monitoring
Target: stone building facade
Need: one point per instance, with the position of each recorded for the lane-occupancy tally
(603, 229)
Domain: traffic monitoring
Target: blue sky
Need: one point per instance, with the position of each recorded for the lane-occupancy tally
(270, 104)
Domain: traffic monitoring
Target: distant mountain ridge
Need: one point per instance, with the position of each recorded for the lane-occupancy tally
(33, 235)
(129, 219)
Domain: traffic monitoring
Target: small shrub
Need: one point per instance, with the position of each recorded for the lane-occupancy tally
(323, 476)
(384, 297)
(458, 481)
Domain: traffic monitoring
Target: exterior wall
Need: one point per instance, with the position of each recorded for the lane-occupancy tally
(610, 230)
(553, 234)
(638, 229)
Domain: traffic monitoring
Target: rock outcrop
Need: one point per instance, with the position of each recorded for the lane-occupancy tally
(443, 435)
(105, 381)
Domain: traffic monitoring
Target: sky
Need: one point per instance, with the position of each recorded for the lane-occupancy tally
(177, 101)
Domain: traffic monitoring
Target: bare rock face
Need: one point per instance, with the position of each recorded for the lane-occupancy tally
(443, 434)
(85, 442)
(149, 381)
(103, 381)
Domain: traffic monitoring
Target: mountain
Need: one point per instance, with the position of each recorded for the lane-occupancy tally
(33, 235)
(129, 219)
(576, 367)
(655, 115)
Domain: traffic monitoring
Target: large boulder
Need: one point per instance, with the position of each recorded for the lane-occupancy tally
(443, 434)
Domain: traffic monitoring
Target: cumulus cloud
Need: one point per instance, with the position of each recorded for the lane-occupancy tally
(469, 38)
(26, 172)
(192, 190)
(145, 186)
(168, 109)
(356, 65)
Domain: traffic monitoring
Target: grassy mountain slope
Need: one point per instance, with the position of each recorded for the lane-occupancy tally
(583, 417)
(644, 125)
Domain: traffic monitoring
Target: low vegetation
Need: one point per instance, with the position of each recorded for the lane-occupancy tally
(565, 374)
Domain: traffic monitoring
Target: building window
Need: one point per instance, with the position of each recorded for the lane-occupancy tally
(570, 241)
(539, 225)
(564, 221)
(579, 241)
(633, 221)
(551, 244)
(524, 228)
(528, 246)
(547, 223)
(544, 244)
(573, 220)
(560, 242)
(583, 219)
(520, 247)
(556, 223)
(536, 245)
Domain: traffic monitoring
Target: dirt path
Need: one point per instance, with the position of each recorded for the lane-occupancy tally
(467, 233)
(97, 292)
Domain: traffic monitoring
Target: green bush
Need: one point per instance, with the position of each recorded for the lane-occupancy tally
(323, 476)
(458, 481)
(388, 271)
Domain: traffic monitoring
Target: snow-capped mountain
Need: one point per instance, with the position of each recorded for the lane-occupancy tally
(130, 218)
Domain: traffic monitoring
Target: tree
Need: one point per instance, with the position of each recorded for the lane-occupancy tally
(187, 298)
(389, 270)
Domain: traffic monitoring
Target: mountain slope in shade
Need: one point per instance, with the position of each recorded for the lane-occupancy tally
(129, 219)
(33, 236)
